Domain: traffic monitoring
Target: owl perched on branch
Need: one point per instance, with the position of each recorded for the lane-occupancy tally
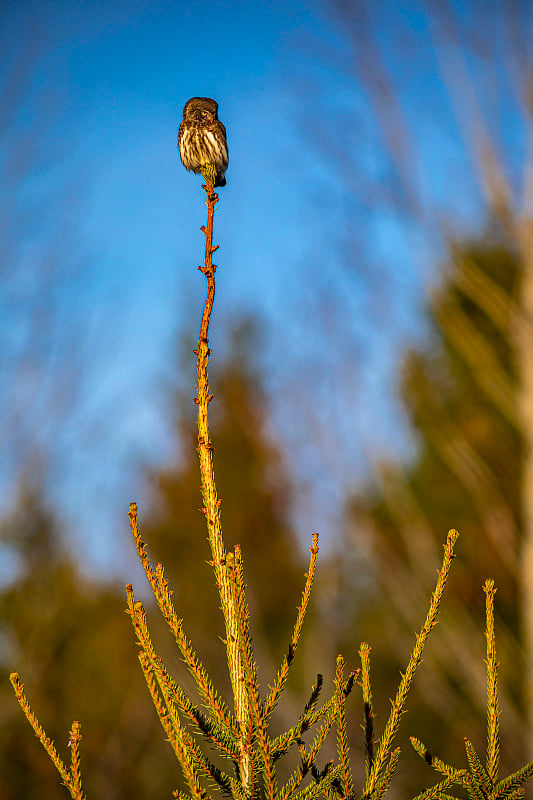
(202, 140)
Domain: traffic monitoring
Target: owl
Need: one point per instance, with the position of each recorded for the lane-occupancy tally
(202, 140)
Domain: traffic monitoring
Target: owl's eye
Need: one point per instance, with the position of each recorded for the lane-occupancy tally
(205, 114)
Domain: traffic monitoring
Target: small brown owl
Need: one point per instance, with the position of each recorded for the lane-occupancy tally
(202, 139)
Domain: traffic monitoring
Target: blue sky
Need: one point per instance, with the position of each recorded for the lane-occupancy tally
(107, 84)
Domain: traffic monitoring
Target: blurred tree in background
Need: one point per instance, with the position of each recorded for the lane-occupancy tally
(69, 637)
(461, 394)
(436, 177)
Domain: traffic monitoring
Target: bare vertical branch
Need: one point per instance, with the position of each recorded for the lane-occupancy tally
(211, 501)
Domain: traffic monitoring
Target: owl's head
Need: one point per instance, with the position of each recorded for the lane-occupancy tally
(201, 109)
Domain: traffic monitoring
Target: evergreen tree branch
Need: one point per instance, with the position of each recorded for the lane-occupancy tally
(215, 733)
(478, 774)
(174, 697)
(440, 766)
(159, 585)
(386, 776)
(437, 792)
(508, 785)
(368, 708)
(250, 674)
(71, 778)
(480, 781)
(342, 743)
(302, 610)
(321, 786)
(398, 705)
(200, 763)
(493, 712)
(281, 745)
(173, 729)
(74, 744)
(309, 755)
